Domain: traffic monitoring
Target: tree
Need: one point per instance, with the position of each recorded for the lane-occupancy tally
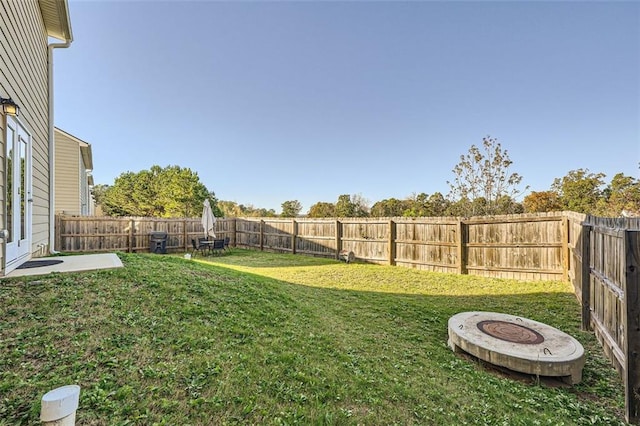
(438, 205)
(262, 212)
(230, 208)
(543, 201)
(183, 194)
(484, 175)
(461, 207)
(98, 192)
(233, 209)
(579, 190)
(158, 192)
(322, 209)
(389, 208)
(507, 205)
(344, 206)
(352, 206)
(620, 197)
(361, 205)
(425, 205)
(119, 199)
(416, 205)
(291, 208)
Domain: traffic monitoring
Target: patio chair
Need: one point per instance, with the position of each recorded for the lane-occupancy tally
(227, 240)
(217, 246)
(201, 245)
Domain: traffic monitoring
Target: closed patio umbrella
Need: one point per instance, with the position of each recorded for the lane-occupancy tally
(208, 220)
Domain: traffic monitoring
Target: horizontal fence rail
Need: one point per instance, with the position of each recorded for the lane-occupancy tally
(600, 257)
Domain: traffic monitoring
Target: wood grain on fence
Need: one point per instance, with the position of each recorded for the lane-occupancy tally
(514, 246)
(606, 279)
(524, 247)
(129, 234)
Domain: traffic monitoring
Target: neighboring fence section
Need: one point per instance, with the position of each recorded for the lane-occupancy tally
(129, 234)
(606, 280)
(528, 247)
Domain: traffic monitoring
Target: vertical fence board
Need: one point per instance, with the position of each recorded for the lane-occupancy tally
(392, 242)
(294, 235)
(585, 277)
(261, 235)
(461, 253)
(632, 325)
(338, 238)
(565, 249)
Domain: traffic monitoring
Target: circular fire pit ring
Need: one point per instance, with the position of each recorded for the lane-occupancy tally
(517, 343)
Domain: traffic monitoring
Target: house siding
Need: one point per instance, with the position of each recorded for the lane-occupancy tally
(24, 78)
(67, 171)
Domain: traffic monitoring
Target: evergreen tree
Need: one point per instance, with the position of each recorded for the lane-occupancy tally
(158, 192)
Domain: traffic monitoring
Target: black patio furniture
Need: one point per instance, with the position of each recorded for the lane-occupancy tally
(217, 246)
(201, 245)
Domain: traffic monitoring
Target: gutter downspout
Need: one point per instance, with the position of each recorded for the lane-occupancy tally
(52, 180)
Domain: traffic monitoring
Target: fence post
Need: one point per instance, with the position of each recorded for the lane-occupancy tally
(631, 325)
(58, 231)
(565, 248)
(235, 232)
(185, 235)
(585, 280)
(294, 234)
(131, 225)
(338, 238)
(261, 234)
(462, 247)
(392, 242)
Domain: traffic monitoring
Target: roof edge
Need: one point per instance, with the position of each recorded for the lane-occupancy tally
(87, 156)
(85, 148)
(55, 14)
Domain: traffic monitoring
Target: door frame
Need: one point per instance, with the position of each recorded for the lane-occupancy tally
(18, 251)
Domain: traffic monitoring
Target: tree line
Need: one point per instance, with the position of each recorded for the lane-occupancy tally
(482, 184)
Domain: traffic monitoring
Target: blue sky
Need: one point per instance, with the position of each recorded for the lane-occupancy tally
(308, 100)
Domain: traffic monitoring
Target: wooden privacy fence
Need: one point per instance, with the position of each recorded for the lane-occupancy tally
(601, 257)
(129, 234)
(529, 247)
(606, 279)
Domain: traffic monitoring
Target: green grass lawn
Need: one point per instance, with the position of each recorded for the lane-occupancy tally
(260, 338)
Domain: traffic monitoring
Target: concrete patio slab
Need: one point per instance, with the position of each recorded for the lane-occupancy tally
(85, 262)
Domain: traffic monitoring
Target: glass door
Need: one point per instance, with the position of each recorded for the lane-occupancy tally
(18, 162)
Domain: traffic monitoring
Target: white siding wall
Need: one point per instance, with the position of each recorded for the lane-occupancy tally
(23, 77)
